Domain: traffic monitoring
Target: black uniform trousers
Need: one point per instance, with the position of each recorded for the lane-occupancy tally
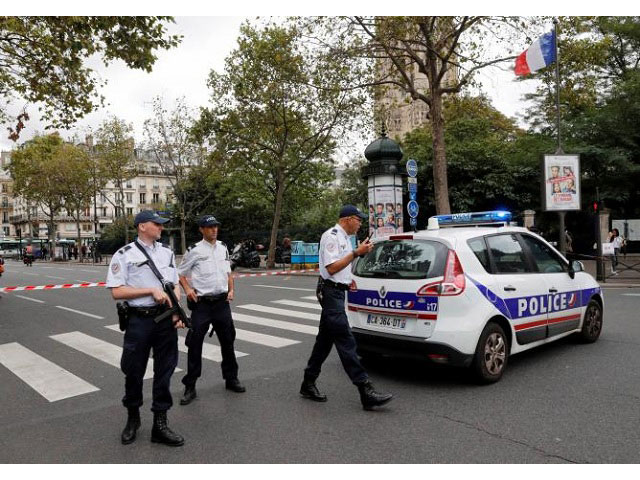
(334, 328)
(142, 335)
(218, 314)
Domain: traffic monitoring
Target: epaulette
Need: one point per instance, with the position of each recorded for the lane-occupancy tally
(222, 243)
(191, 247)
(165, 246)
(124, 249)
(334, 231)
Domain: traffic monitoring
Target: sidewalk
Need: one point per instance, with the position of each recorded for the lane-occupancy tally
(625, 278)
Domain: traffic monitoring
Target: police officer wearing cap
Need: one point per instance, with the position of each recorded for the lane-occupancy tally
(336, 255)
(130, 278)
(205, 276)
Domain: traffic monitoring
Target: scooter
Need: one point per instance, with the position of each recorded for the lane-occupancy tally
(245, 254)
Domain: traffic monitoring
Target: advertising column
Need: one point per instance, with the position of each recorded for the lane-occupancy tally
(385, 205)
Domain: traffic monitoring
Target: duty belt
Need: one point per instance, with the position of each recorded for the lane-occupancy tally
(339, 286)
(212, 298)
(151, 311)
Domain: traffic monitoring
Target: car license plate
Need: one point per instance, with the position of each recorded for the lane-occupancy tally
(386, 321)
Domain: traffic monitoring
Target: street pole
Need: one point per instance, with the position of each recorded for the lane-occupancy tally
(599, 262)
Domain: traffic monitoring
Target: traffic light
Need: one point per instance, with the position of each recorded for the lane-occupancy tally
(595, 206)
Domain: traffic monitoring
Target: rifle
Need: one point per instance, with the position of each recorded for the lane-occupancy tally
(176, 308)
(168, 288)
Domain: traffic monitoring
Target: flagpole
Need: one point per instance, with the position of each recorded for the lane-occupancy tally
(555, 46)
(559, 151)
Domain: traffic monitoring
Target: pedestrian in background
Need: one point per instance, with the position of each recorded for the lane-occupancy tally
(336, 255)
(616, 240)
(205, 276)
(130, 278)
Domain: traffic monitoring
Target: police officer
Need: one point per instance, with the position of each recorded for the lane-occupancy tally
(205, 276)
(130, 278)
(336, 255)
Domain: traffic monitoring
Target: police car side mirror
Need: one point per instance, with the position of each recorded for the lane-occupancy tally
(577, 266)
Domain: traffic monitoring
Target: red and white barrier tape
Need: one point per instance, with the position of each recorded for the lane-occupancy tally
(103, 284)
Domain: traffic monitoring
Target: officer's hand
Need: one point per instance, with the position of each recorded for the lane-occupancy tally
(192, 295)
(230, 296)
(160, 297)
(177, 323)
(364, 248)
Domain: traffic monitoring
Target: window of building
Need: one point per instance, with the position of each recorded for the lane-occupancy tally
(129, 210)
(129, 197)
(143, 198)
(156, 198)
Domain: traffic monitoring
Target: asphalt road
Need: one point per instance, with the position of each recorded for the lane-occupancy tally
(562, 403)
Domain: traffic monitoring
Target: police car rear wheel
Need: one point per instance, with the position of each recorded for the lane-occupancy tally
(592, 325)
(491, 354)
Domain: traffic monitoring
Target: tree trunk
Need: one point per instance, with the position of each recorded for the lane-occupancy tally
(440, 183)
(78, 238)
(271, 263)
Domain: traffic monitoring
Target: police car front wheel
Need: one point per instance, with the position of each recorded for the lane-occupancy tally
(491, 354)
(592, 325)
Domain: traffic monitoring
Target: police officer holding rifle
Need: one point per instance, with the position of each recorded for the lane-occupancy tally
(336, 256)
(131, 278)
(205, 276)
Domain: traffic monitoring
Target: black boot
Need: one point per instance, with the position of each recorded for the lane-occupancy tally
(132, 426)
(189, 395)
(310, 391)
(161, 433)
(370, 398)
(235, 386)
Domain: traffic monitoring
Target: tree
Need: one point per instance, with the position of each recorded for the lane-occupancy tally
(34, 171)
(42, 60)
(115, 159)
(277, 112)
(176, 152)
(74, 174)
(448, 51)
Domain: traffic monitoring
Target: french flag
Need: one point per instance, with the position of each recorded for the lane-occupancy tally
(540, 54)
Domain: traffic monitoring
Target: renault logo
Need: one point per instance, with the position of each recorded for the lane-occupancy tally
(383, 292)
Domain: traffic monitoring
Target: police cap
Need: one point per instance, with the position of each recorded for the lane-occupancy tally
(148, 216)
(350, 210)
(208, 221)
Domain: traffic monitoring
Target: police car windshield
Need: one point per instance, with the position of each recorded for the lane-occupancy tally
(408, 259)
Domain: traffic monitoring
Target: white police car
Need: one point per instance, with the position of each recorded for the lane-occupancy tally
(470, 295)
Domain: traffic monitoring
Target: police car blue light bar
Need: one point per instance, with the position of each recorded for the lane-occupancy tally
(467, 218)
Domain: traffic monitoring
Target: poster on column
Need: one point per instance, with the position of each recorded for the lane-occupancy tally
(561, 182)
(385, 210)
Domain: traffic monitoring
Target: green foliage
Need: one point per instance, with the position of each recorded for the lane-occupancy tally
(42, 59)
(492, 163)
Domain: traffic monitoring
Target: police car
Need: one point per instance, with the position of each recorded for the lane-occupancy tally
(469, 291)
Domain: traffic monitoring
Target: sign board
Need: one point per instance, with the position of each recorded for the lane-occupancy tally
(413, 221)
(412, 208)
(385, 209)
(413, 187)
(561, 190)
(412, 168)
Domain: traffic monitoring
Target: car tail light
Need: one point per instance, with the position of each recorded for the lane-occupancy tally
(452, 283)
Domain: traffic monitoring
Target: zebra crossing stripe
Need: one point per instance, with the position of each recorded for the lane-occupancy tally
(79, 312)
(263, 339)
(294, 303)
(281, 311)
(310, 297)
(29, 298)
(286, 288)
(99, 349)
(267, 322)
(209, 351)
(48, 379)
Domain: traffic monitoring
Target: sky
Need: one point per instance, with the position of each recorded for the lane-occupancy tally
(182, 72)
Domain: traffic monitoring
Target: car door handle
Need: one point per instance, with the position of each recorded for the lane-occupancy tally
(509, 288)
(553, 290)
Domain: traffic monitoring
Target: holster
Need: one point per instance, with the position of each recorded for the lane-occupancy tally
(123, 315)
(319, 289)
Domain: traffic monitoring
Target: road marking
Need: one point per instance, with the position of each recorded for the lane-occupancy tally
(29, 298)
(52, 276)
(281, 311)
(29, 273)
(48, 379)
(81, 313)
(209, 351)
(286, 288)
(263, 339)
(90, 271)
(67, 269)
(267, 322)
(310, 297)
(294, 303)
(631, 294)
(98, 349)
